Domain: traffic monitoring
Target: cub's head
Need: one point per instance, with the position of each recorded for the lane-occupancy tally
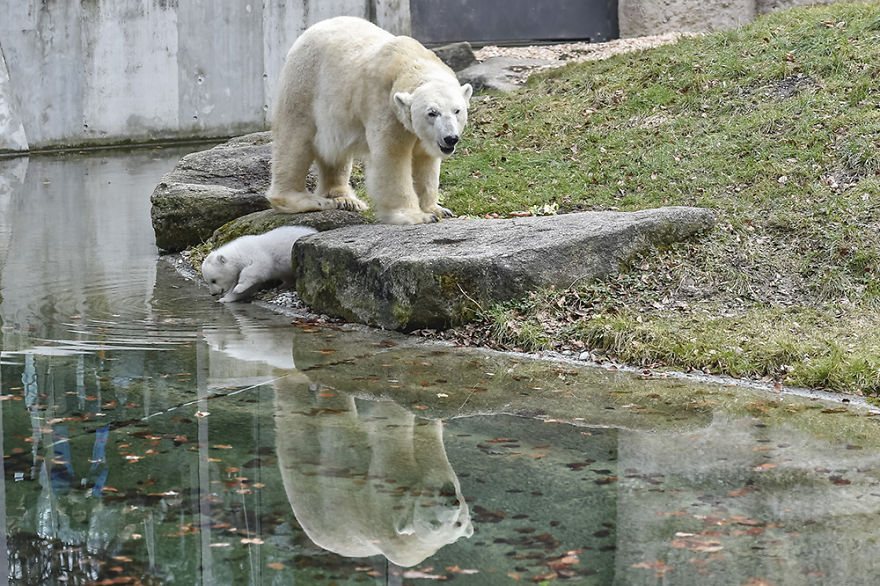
(436, 112)
(220, 274)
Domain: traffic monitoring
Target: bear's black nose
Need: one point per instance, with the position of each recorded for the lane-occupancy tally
(451, 140)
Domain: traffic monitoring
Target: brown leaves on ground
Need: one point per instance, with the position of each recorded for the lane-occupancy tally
(696, 543)
(659, 567)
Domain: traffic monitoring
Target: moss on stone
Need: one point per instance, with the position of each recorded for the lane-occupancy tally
(402, 312)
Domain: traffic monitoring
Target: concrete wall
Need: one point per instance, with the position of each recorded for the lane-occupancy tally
(76, 72)
(650, 17)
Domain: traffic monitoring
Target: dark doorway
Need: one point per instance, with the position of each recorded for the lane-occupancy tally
(513, 21)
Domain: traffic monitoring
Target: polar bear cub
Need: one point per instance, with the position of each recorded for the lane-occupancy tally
(237, 269)
(349, 88)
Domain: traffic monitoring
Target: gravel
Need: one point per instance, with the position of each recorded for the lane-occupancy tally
(575, 52)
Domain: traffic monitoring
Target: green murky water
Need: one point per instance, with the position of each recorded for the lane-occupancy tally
(154, 436)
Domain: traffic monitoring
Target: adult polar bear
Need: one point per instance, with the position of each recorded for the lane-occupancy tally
(349, 88)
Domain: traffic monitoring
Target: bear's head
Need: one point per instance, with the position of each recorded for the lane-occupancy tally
(436, 112)
(220, 274)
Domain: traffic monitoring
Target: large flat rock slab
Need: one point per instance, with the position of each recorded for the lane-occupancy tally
(437, 275)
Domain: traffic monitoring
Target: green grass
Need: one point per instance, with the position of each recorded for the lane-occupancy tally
(777, 127)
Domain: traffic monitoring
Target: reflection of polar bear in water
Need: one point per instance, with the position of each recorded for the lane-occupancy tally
(366, 477)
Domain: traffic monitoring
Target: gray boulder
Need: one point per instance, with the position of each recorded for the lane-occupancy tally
(437, 275)
(503, 74)
(218, 195)
(209, 188)
(457, 56)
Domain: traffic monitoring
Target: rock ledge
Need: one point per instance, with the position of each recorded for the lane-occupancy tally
(437, 276)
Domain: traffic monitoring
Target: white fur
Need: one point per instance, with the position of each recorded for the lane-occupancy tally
(349, 89)
(237, 269)
(398, 494)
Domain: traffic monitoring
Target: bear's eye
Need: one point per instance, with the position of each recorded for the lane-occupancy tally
(457, 111)
(433, 113)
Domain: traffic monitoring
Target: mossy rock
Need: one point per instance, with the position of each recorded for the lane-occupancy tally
(265, 220)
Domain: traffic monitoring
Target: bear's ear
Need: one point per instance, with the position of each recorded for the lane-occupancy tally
(467, 90)
(402, 104)
(403, 100)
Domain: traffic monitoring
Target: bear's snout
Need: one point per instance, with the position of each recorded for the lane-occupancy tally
(447, 145)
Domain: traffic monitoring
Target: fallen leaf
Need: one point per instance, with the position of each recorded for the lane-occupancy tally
(458, 570)
(742, 491)
(764, 466)
(697, 544)
(660, 567)
(415, 574)
(743, 520)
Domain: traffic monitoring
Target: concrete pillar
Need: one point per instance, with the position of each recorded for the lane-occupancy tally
(393, 16)
(12, 135)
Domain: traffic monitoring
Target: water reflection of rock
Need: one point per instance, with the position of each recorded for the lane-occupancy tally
(366, 477)
(77, 239)
(444, 381)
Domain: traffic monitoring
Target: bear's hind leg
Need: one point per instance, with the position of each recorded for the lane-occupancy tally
(333, 185)
(291, 158)
(426, 181)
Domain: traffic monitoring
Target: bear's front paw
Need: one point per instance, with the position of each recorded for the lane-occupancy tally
(440, 212)
(409, 217)
(296, 202)
(233, 296)
(350, 203)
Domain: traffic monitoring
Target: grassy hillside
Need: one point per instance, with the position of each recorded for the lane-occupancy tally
(777, 127)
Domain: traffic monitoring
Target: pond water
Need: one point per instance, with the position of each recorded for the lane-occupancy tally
(152, 435)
